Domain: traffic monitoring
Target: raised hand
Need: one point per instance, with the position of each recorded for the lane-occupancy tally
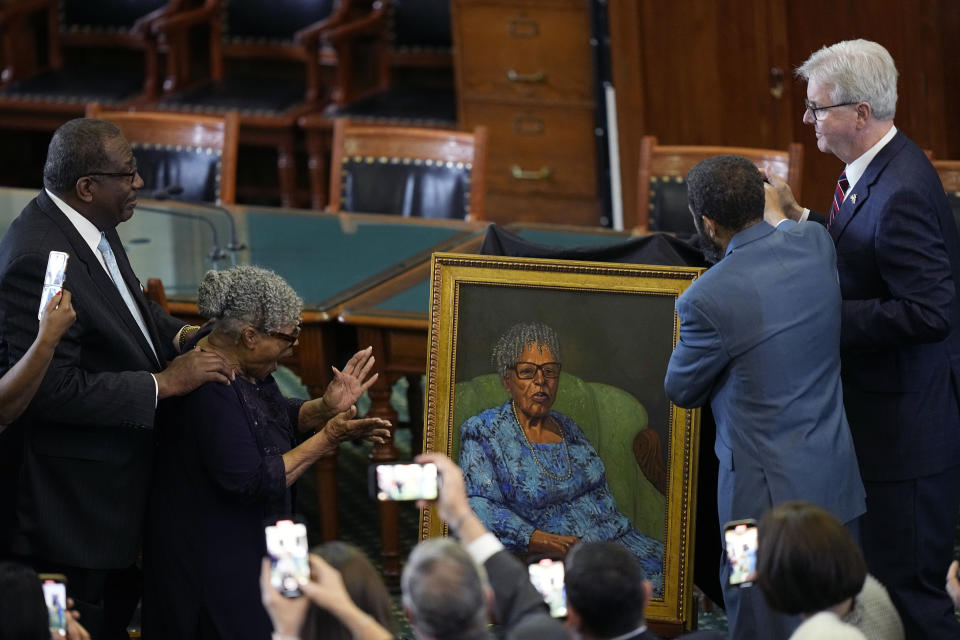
(348, 385)
(57, 318)
(344, 426)
(782, 199)
(286, 614)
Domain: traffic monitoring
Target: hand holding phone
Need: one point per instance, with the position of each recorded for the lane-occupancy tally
(740, 537)
(547, 576)
(55, 596)
(53, 279)
(407, 481)
(287, 548)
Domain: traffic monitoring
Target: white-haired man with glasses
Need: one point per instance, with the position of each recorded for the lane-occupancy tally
(898, 258)
(83, 451)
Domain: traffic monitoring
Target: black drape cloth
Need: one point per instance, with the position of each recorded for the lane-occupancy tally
(657, 249)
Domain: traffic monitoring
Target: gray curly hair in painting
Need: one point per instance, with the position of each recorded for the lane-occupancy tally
(510, 345)
(246, 295)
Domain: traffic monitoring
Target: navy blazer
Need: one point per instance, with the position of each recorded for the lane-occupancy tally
(88, 444)
(898, 258)
(759, 340)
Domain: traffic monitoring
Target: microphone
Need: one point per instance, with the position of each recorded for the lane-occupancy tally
(170, 192)
(216, 253)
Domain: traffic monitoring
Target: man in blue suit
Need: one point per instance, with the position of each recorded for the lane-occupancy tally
(760, 341)
(898, 258)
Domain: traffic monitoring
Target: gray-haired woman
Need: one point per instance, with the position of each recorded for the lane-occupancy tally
(227, 456)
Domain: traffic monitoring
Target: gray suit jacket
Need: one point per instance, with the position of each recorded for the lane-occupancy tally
(87, 437)
(760, 340)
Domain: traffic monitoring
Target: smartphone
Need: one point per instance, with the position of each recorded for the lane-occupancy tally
(53, 279)
(409, 481)
(547, 576)
(287, 548)
(740, 537)
(55, 596)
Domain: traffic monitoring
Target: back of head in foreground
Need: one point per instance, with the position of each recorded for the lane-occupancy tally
(363, 584)
(445, 594)
(607, 589)
(806, 559)
(23, 613)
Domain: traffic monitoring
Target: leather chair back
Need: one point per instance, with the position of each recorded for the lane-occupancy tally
(105, 15)
(408, 171)
(662, 192)
(257, 21)
(195, 153)
(949, 171)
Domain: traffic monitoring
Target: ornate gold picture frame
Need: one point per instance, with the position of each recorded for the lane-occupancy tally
(617, 327)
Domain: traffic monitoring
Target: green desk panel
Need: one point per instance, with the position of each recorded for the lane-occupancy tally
(327, 259)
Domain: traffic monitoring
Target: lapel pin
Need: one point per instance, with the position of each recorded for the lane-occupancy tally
(853, 198)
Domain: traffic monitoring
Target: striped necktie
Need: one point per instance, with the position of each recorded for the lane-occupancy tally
(111, 261)
(838, 195)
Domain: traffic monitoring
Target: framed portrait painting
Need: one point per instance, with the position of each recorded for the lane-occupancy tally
(545, 384)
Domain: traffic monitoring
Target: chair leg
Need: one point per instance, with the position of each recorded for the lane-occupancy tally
(287, 170)
(317, 148)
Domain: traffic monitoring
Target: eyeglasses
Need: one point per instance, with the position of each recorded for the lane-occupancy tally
(289, 337)
(528, 370)
(129, 175)
(815, 110)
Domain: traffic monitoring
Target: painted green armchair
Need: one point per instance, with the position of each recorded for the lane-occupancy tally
(616, 424)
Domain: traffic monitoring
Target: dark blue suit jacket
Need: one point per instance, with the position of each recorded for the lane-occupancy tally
(898, 258)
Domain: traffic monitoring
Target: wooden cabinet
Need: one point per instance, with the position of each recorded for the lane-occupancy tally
(524, 70)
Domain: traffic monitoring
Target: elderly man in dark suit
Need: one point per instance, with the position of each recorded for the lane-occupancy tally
(898, 258)
(759, 340)
(84, 448)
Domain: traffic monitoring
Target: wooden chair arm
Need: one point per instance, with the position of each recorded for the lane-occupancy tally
(310, 36)
(367, 24)
(183, 20)
(143, 24)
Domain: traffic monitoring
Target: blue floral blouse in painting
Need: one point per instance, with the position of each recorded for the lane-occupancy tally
(516, 487)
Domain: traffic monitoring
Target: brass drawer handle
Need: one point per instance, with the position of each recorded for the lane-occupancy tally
(523, 28)
(527, 78)
(543, 173)
(528, 125)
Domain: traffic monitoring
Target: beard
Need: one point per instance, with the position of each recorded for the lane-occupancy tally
(712, 253)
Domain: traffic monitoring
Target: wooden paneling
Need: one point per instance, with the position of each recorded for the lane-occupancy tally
(696, 72)
(552, 147)
(524, 70)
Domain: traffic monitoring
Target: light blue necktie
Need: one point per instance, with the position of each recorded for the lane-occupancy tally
(111, 261)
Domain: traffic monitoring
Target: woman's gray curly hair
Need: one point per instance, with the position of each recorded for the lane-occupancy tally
(247, 295)
(507, 349)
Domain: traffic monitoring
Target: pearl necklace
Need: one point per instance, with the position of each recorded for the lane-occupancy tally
(533, 450)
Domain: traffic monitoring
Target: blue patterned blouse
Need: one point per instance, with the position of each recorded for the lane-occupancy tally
(513, 495)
